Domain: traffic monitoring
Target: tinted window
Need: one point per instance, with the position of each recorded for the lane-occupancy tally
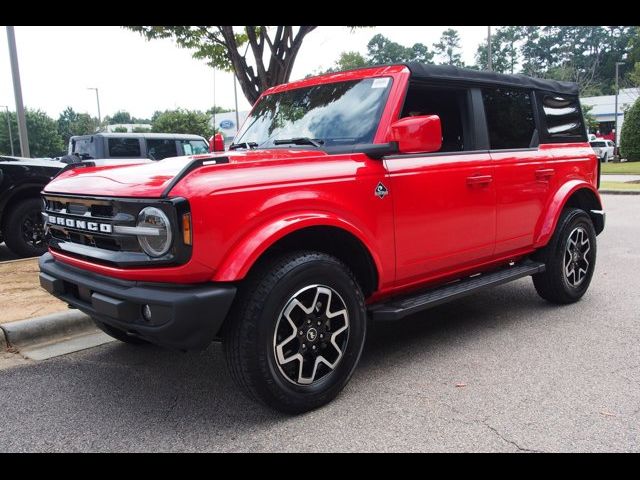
(509, 117)
(449, 104)
(193, 147)
(124, 147)
(562, 118)
(597, 144)
(159, 148)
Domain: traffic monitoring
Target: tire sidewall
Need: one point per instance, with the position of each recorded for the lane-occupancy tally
(574, 219)
(323, 272)
(13, 228)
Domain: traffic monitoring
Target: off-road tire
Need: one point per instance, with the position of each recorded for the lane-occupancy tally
(553, 284)
(250, 334)
(20, 218)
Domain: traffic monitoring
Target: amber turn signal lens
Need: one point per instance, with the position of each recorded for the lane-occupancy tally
(186, 228)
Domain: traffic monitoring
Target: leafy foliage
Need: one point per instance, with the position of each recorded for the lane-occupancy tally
(120, 117)
(273, 50)
(381, 50)
(449, 48)
(583, 54)
(71, 123)
(630, 134)
(589, 119)
(181, 120)
(44, 139)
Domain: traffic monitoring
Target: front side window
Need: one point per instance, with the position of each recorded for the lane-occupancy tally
(124, 147)
(340, 113)
(509, 118)
(451, 105)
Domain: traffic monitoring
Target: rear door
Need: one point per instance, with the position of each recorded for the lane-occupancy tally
(524, 174)
(444, 202)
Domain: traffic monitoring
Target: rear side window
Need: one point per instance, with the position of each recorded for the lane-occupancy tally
(510, 119)
(124, 147)
(561, 118)
(159, 148)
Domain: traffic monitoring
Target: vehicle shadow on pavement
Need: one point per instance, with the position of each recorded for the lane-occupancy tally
(146, 393)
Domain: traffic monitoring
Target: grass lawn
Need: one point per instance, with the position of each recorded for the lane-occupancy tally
(619, 186)
(621, 168)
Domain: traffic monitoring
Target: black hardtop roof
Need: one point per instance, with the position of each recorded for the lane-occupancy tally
(174, 136)
(451, 73)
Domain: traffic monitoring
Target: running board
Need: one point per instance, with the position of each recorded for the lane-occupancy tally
(398, 308)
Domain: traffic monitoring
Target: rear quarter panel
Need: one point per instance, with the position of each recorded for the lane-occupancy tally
(576, 167)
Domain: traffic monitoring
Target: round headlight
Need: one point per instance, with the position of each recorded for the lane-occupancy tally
(158, 241)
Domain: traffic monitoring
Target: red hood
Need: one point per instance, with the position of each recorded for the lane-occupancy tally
(150, 180)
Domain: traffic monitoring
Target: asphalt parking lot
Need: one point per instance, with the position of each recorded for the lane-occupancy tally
(498, 371)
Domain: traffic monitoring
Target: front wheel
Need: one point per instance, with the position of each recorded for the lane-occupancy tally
(296, 331)
(23, 228)
(570, 258)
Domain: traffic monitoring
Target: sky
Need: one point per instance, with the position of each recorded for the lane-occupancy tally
(59, 64)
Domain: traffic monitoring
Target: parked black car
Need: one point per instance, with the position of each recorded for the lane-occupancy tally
(21, 181)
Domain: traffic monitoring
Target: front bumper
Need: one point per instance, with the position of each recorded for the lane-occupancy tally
(184, 317)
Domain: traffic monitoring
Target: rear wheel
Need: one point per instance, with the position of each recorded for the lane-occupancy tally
(570, 259)
(23, 228)
(296, 332)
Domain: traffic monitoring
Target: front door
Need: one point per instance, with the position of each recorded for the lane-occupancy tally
(445, 212)
(444, 202)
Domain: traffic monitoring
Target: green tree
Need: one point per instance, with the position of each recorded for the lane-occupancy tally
(381, 50)
(181, 120)
(72, 123)
(590, 120)
(273, 50)
(349, 60)
(630, 133)
(44, 139)
(120, 130)
(505, 53)
(140, 129)
(218, 109)
(120, 117)
(448, 48)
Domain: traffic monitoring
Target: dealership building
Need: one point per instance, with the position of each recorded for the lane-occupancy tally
(604, 110)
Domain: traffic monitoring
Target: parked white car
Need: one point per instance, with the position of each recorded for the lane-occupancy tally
(603, 148)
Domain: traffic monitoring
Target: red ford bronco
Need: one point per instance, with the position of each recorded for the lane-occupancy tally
(372, 193)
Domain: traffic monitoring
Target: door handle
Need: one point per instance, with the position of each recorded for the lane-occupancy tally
(545, 173)
(479, 180)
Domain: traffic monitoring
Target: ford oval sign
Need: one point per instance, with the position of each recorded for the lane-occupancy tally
(227, 124)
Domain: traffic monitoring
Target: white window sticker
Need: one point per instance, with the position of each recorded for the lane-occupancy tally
(380, 82)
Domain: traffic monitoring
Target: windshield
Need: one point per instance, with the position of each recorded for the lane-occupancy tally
(597, 144)
(341, 113)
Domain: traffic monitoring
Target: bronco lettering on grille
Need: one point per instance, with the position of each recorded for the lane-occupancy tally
(80, 224)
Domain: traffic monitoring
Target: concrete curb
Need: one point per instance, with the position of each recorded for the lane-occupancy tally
(619, 192)
(46, 328)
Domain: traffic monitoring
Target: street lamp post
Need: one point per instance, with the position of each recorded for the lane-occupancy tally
(9, 127)
(616, 107)
(17, 91)
(98, 101)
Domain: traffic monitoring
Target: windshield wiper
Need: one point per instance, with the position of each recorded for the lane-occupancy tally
(248, 145)
(316, 142)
